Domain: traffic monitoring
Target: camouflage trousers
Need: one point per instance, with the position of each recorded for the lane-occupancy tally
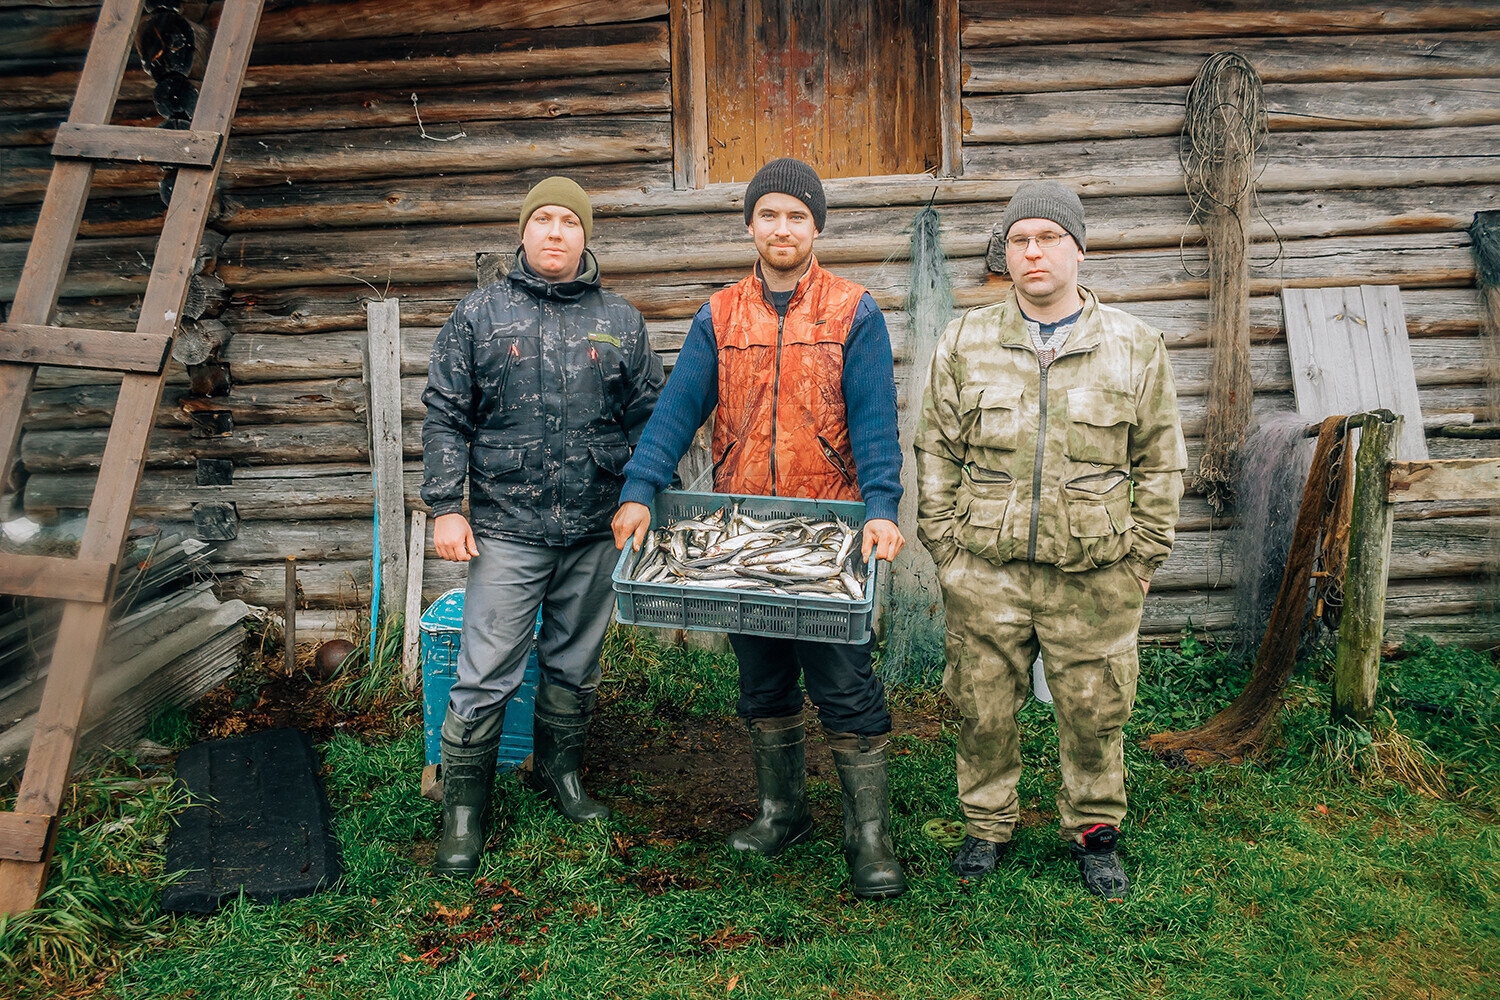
(1085, 625)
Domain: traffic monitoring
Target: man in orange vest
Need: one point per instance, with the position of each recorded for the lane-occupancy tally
(798, 363)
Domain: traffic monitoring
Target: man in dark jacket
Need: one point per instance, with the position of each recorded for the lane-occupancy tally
(798, 364)
(539, 386)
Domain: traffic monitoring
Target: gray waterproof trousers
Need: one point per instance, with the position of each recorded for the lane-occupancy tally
(507, 582)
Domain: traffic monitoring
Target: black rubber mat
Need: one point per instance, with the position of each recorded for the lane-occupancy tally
(260, 823)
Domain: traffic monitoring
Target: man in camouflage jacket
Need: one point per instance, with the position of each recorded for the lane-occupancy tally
(539, 386)
(1049, 459)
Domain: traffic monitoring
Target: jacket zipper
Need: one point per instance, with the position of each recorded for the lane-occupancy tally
(1036, 472)
(510, 359)
(776, 394)
(980, 474)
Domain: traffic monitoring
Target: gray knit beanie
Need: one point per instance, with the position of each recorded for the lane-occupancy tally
(1045, 200)
(788, 176)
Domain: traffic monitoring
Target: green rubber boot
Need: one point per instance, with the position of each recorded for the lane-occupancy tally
(560, 727)
(469, 750)
(861, 763)
(779, 747)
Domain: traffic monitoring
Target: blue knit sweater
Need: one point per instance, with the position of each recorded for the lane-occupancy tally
(692, 392)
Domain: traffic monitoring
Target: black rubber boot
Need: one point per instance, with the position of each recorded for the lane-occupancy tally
(977, 858)
(560, 727)
(1099, 862)
(873, 868)
(469, 750)
(779, 747)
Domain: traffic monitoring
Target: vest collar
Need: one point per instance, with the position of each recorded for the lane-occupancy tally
(758, 286)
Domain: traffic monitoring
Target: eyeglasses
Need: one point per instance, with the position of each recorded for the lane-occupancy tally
(1046, 241)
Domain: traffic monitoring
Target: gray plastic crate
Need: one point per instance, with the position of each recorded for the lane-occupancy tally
(712, 609)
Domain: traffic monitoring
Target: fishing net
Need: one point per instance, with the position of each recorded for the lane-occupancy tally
(914, 612)
(1240, 730)
(1224, 126)
(1268, 487)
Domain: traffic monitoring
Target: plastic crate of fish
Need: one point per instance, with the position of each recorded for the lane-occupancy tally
(709, 608)
(442, 634)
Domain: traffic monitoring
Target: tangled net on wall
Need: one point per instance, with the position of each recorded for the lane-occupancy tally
(1224, 127)
(915, 622)
(1240, 730)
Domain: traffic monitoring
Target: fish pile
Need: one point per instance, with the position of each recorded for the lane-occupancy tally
(734, 551)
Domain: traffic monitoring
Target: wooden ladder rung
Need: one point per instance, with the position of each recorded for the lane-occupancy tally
(23, 837)
(112, 350)
(167, 147)
(55, 577)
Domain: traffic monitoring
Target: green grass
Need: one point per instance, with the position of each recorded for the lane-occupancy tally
(1312, 875)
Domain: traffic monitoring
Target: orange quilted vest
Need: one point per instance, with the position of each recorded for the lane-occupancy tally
(781, 428)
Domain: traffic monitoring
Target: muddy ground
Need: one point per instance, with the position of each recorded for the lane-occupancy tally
(682, 776)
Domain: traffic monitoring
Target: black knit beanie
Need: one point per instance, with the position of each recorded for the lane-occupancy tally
(788, 176)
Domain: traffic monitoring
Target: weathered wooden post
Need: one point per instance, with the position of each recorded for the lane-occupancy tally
(383, 383)
(1357, 668)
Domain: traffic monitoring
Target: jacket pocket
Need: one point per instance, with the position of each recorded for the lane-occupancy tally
(1099, 520)
(979, 524)
(610, 457)
(1099, 425)
(836, 460)
(990, 416)
(495, 462)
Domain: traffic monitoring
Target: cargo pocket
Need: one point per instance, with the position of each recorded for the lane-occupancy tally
(610, 458)
(1099, 520)
(1118, 698)
(494, 471)
(990, 416)
(1099, 425)
(979, 525)
(958, 680)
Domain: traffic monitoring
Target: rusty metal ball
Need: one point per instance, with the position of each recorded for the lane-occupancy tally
(330, 656)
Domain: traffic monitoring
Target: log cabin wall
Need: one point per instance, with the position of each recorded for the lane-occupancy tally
(1385, 140)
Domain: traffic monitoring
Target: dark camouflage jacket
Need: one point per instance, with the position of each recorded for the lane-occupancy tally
(536, 394)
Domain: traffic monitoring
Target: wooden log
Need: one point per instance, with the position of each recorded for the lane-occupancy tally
(1294, 161)
(1461, 479)
(167, 43)
(49, 31)
(1434, 312)
(198, 340)
(1356, 668)
(1000, 23)
(1290, 107)
(1416, 555)
(1176, 61)
(427, 61)
(313, 401)
(251, 161)
(178, 447)
(383, 380)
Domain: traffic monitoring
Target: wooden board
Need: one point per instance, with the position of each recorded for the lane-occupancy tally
(1457, 479)
(383, 380)
(24, 343)
(1349, 353)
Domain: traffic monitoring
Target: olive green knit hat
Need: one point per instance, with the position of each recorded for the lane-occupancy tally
(560, 191)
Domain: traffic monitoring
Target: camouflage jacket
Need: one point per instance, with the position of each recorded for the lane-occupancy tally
(536, 393)
(1078, 466)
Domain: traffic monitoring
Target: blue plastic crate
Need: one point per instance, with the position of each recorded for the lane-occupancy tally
(711, 609)
(442, 630)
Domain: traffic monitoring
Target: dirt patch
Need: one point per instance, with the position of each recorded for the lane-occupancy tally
(692, 778)
(262, 697)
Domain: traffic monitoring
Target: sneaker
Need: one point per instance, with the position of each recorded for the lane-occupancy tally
(977, 858)
(1099, 862)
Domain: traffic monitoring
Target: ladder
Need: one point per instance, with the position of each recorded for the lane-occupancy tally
(85, 583)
